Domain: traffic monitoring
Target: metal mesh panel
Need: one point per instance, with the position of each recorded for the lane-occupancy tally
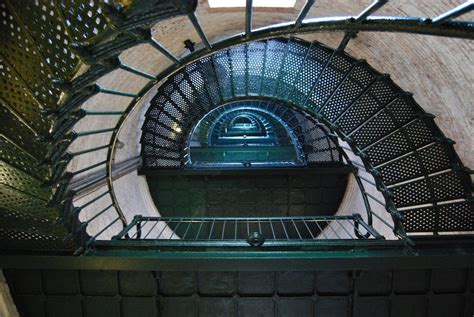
(414, 193)
(210, 80)
(17, 239)
(390, 148)
(26, 222)
(420, 133)
(255, 62)
(396, 144)
(434, 159)
(16, 200)
(223, 71)
(159, 140)
(456, 217)
(46, 26)
(197, 82)
(443, 218)
(19, 133)
(16, 157)
(420, 219)
(238, 64)
(359, 79)
(291, 67)
(448, 186)
(15, 178)
(309, 73)
(401, 170)
(442, 187)
(378, 96)
(19, 49)
(275, 55)
(377, 128)
(83, 18)
(18, 96)
(330, 79)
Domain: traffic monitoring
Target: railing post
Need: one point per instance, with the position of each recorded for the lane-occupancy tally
(358, 219)
(377, 4)
(125, 230)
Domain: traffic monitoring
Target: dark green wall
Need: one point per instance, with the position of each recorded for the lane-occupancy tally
(251, 194)
(347, 293)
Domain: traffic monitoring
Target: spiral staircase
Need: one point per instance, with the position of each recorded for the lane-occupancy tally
(69, 143)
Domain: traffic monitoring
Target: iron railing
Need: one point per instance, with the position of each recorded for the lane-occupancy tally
(241, 231)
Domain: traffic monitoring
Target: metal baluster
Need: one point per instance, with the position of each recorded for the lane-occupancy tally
(297, 231)
(175, 228)
(374, 6)
(162, 230)
(85, 169)
(320, 229)
(309, 230)
(284, 229)
(163, 51)
(99, 213)
(197, 25)
(187, 229)
(199, 230)
(369, 229)
(103, 113)
(273, 231)
(356, 228)
(223, 230)
(86, 133)
(345, 40)
(335, 232)
(454, 13)
(304, 11)
(140, 227)
(383, 220)
(104, 229)
(93, 200)
(151, 229)
(248, 18)
(136, 71)
(366, 180)
(212, 228)
(375, 199)
(343, 228)
(116, 92)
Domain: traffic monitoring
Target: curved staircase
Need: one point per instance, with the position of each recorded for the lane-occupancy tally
(55, 52)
